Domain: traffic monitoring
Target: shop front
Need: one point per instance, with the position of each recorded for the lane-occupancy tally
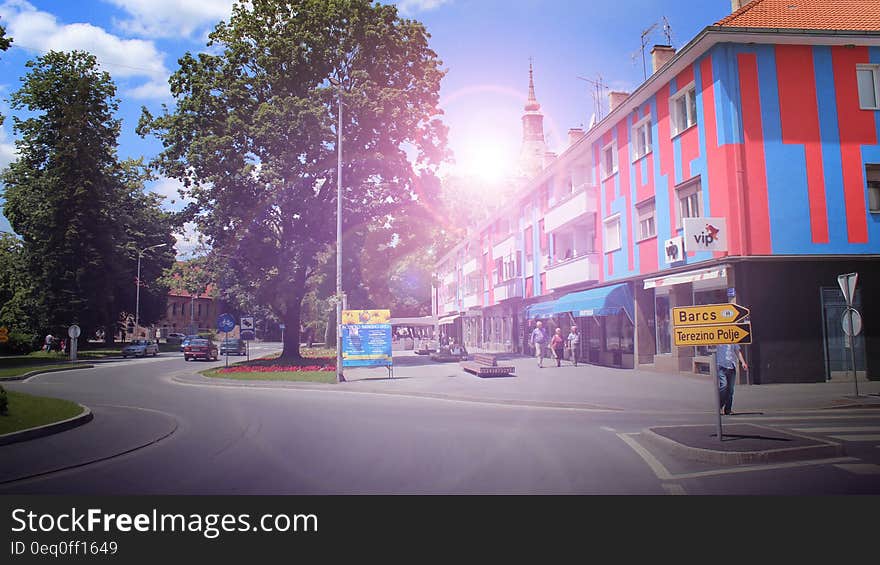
(604, 317)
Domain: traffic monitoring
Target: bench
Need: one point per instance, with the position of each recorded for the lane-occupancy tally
(486, 365)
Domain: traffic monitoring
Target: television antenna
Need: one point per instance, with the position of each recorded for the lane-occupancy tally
(599, 88)
(667, 31)
(644, 42)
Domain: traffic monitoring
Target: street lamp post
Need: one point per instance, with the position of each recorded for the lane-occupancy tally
(137, 303)
(339, 376)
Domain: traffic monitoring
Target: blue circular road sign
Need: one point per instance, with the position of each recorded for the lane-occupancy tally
(225, 322)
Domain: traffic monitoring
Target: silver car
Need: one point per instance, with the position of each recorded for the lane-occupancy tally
(140, 348)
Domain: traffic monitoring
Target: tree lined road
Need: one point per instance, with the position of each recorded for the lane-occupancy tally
(264, 439)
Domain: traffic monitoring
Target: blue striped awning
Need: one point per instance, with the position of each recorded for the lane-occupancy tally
(603, 301)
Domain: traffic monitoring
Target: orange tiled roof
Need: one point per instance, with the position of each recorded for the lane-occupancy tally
(848, 15)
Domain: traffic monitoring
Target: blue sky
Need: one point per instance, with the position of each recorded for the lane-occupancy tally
(484, 44)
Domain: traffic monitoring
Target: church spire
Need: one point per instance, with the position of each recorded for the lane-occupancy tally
(532, 104)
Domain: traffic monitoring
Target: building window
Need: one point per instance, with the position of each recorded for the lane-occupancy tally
(609, 159)
(612, 233)
(868, 77)
(641, 136)
(664, 331)
(690, 199)
(683, 109)
(872, 172)
(645, 213)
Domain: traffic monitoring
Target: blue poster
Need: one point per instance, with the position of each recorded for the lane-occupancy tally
(366, 345)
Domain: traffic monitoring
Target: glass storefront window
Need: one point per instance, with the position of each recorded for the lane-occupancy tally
(618, 334)
(664, 335)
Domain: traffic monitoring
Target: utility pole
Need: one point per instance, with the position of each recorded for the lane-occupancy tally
(137, 300)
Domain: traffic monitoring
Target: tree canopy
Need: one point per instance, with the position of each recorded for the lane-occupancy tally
(81, 214)
(253, 137)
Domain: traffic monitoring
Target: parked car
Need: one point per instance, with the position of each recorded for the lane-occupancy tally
(201, 349)
(233, 347)
(175, 338)
(140, 348)
(187, 339)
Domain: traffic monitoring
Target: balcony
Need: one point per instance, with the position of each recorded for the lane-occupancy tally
(469, 267)
(470, 301)
(449, 278)
(448, 307)
(573, 208)
(505, 248)
(572, 271)
(509, 289)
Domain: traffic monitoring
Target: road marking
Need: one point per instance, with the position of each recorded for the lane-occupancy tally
(840, 429)
(673, 488)
(866, 416)
(859, 437)
(655, 465)
(607, 429)
(664, 475)
(860, 468)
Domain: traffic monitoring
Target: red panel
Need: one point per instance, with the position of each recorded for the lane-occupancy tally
(799, 110)
(720, 174)
(648, 256)
(610, 259)
(543, 235)
(544, 289)
(528, 237)
(623, 161)
(690, 150)
(757, 210)
(530, 287)
(667, 162)
(684, 78)
(857, 127)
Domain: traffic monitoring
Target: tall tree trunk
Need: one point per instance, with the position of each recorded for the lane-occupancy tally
(330, 333)
(291, 321)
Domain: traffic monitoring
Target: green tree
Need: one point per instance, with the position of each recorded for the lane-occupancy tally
(253, 135)
(79, 211)
(5, 42)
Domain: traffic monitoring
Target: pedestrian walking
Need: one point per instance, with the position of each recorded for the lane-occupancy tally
(726, 357)
(574, 340)
(50, 339)
(557, 344)
(538, 340)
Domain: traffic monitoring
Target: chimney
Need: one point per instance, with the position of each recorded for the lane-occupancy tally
(615, 98)
(660, 55)
(574, 134)
(737, 4)
(549, 157)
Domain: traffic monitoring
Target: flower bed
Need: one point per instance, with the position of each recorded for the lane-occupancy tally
(276, 368)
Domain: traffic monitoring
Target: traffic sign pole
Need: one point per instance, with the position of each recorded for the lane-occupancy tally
(847, 284)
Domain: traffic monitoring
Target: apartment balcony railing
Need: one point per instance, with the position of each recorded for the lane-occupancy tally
(573, 208)
(571, 271)
(470, 301)
(469, 267)
(505, 248)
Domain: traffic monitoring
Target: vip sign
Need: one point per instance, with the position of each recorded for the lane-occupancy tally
(673, 249)
(705, 234)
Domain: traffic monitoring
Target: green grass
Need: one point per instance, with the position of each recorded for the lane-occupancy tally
(314, 356)
(8, 372)
(26, 411)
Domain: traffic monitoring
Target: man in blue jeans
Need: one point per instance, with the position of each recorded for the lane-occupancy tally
(726, 357)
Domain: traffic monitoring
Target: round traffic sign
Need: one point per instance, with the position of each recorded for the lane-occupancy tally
(73, 331)
(851, 316)
(225, 323)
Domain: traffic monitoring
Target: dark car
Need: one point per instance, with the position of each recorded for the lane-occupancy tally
(233, 347)
(201, 349)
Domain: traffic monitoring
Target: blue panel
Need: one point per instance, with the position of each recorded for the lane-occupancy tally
(662, 216)
(832, 165)
(725, 74)
(541, 310)
(698, 164)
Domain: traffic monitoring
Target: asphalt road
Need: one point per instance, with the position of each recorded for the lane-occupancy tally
(156, 433)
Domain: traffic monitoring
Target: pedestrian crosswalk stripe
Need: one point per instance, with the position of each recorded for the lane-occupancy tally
(859, 437)
(839, 429)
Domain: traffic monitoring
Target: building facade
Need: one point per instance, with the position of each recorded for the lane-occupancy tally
(746, 168)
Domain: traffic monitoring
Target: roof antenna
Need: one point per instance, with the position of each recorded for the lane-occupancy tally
(598, 95)
(667, 31)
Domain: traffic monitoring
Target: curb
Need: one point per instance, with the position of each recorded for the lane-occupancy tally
(826, 449)
(35, 373)
(48, 429)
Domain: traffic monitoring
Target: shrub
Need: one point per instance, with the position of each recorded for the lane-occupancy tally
(19, 344)
(4, 402)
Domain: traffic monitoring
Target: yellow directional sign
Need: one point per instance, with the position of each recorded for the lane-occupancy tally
(4, 334)
(708, 314)
(713, 335)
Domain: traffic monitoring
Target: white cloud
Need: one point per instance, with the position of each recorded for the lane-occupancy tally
(188, 243)
(414, 6)
(122, 58)
(171, 18)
